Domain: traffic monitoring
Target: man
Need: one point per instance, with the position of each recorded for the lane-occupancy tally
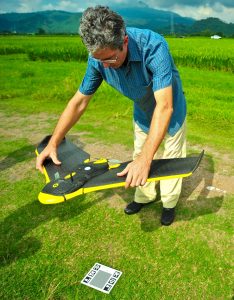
(138, 64)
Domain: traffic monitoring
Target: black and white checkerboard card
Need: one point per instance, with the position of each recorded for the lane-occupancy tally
(101, 278)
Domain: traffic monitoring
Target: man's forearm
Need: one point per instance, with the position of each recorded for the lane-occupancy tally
(158, 129)
(69, 117)
(159, 124)
(137, 171)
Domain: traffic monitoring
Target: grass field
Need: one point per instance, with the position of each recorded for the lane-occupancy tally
(47, 250)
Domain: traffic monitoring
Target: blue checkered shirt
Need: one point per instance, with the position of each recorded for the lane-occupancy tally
(149, 68)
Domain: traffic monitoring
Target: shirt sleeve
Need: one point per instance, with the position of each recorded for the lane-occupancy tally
(159, 62)
(91, 81)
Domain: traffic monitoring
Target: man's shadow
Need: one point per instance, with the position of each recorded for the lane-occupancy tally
(14, 228)
(17, 156)
(187, 209)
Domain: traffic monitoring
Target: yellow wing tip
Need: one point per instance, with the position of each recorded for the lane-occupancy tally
(50, 199)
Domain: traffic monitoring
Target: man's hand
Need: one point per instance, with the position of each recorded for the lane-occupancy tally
(49, 151)
(72, 113)
(137, 172)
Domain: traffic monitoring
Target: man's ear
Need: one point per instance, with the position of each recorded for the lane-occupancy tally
(126, 40)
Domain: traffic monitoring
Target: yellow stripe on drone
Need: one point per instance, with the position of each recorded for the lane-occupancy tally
(44, 170)
(169, 177)
(121, 184)
(52, 199)
(114, 166)
(100, 161)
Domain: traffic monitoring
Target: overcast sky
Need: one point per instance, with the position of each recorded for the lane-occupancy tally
(197, 9)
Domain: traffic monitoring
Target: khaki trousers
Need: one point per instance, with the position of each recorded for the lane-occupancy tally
(174, 146)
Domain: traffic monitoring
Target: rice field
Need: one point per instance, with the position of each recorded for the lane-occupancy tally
(201, 53)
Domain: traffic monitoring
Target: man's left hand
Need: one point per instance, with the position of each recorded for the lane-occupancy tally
(137, 172)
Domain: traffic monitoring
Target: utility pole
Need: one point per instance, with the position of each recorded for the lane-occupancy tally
(172, 24)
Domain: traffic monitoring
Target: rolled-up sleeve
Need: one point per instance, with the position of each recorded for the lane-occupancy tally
(91, 81)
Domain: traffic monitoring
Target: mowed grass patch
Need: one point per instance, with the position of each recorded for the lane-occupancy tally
(51, 84)
(210, 107)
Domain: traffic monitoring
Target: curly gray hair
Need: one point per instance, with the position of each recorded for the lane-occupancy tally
(102, 28)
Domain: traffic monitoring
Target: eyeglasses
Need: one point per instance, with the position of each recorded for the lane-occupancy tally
(108, 61)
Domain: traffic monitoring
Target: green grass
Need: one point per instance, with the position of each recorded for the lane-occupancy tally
(210, 107)
(204, 53)
(46, 250)
(209, 97)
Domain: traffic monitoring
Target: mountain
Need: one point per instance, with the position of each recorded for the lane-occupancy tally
(138, 15)
(211, 26)
(49, 21)
(157, 20)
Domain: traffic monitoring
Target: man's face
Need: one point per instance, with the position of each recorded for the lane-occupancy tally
(112, 58)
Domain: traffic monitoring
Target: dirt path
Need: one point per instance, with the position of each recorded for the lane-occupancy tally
(214, 177)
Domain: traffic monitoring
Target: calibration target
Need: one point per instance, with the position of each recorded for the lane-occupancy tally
(101, 278)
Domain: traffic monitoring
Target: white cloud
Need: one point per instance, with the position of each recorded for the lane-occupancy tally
(63, 5)
(197, 9)
(26, 6)
(48, 6)
(205, 11)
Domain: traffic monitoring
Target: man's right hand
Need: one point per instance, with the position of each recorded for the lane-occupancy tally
(74, 109)
(48, 152)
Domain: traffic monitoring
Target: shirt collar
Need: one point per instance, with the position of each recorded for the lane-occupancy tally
(133, 51)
